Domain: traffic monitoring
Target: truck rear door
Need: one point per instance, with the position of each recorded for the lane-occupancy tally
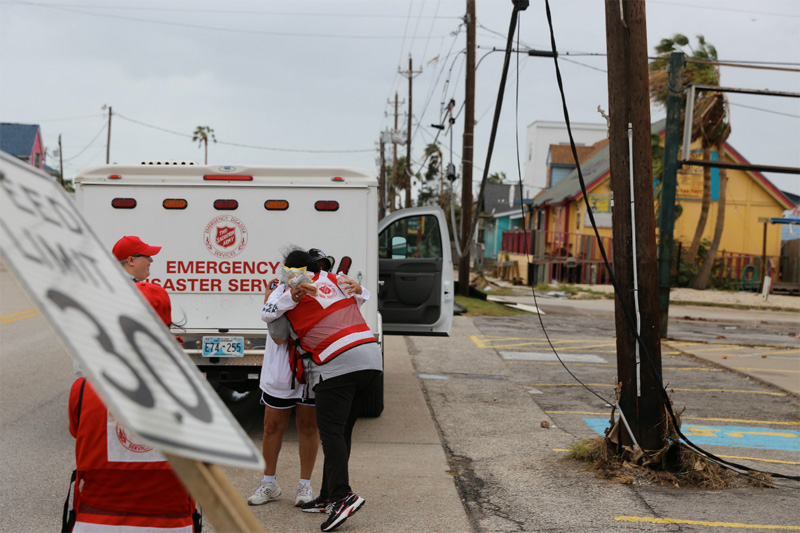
(415, 287)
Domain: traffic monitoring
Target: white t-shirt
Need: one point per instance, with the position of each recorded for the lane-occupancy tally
(276, 374)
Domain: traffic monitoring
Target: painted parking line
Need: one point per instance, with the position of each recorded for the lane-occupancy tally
(671, 389)
(614, 365)
(731, 420)
(729, 436)
(13, 317)
(703, 523)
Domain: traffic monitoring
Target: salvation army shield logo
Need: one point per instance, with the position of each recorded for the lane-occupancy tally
(225, 236)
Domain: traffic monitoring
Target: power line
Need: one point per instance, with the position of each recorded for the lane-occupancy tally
(239, 145)
(764, 110)
(723, 9)
(211, 28)
(228, 11)
(88, 145)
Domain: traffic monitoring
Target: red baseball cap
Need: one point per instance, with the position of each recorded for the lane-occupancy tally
(130, 245)
(158, 298)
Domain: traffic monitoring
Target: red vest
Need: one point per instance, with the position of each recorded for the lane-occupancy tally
(329, 323)
(121, 482)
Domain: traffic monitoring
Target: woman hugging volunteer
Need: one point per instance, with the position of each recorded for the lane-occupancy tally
(345, 360)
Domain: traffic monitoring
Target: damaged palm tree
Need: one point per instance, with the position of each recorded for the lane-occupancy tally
(710, 125)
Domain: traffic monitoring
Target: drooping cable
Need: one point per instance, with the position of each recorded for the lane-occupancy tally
(626, 311)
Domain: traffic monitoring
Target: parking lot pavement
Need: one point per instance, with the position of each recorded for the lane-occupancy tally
(495, 380)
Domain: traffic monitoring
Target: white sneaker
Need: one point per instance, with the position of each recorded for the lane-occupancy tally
(264, 493)
(304, 495)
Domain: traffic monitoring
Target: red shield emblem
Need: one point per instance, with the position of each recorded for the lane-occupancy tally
(226, 236)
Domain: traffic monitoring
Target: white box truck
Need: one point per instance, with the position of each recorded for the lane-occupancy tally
(223, 231)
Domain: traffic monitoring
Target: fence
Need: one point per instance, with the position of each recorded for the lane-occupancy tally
(560, 256)
(575, 258)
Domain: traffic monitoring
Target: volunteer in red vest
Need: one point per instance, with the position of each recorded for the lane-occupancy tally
(346, 360)
(122, 483)
(135, 256)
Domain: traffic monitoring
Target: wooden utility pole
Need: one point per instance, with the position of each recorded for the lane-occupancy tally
(467, 153)
(382, 179)
(407, 178)
(108, 142)
(638, 366)
(60, 162)
(393, 182)
(669, 178)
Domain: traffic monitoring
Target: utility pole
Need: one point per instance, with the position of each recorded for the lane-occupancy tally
(60, 162)
(669, 177)
(108, 142)
(466, 159)
(629, 104)
(410, 74)
(394, 156)
(382, 181)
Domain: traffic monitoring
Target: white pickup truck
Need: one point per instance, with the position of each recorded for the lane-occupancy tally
(223, 231)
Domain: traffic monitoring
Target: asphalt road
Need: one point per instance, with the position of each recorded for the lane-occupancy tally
(461, 446)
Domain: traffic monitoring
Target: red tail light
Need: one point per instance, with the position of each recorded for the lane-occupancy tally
(123, 203)
(225, 205)
(326, 205)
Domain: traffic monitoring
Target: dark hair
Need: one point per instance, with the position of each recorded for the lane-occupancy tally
(299, 259)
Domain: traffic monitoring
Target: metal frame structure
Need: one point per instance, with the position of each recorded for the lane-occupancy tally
(687, 129)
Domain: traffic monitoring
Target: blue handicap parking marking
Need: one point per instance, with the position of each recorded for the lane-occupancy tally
(733, 436)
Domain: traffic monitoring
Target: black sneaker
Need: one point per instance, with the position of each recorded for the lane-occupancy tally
(318, 505)
(342, 510)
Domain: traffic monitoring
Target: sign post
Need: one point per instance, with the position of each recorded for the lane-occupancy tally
(131, 359)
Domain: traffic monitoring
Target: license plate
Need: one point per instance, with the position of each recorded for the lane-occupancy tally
(223, 346)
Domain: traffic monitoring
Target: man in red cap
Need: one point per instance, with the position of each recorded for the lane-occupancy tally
(135, 256)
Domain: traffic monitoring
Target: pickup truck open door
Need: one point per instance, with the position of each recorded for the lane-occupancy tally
(415, 280)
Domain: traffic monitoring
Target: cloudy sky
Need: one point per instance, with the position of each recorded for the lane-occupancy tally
(313, 82)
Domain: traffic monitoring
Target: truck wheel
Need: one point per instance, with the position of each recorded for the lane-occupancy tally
(372, 405)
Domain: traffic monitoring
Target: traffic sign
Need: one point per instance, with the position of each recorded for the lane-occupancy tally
(128, 355)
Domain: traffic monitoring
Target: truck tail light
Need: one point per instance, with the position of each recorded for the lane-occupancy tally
(337, 178)
(175, 203)
(123, 203)
(326, 205)
(114, 177)
(225, 205)
(276, 205)
(226, 177)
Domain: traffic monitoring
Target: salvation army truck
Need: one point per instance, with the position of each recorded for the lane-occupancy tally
(224, 230)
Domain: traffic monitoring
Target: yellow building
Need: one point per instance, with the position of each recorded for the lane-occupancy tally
(563, 229)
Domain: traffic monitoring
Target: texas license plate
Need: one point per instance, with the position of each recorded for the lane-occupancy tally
(223, 346)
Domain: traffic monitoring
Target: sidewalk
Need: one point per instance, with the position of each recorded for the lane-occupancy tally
(397, 465)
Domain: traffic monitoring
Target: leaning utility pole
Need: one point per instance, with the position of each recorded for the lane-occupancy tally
(669, 178)
(60, 162)
(638, 366)
(408, 175)
(467, 153)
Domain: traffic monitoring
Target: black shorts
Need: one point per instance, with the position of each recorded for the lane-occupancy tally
(285, 403)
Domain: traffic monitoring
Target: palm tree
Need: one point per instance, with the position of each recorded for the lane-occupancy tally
(710, 122)
(201, 136)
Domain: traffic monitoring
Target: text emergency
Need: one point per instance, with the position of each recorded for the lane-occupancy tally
(216, 276)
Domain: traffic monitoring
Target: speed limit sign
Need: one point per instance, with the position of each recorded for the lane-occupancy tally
(128, 355)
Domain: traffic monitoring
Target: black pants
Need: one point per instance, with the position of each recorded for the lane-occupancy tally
(338, 403)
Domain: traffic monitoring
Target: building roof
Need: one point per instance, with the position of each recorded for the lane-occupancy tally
(499, 197)
(598, 166)
(561, 154)
(18, 139)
